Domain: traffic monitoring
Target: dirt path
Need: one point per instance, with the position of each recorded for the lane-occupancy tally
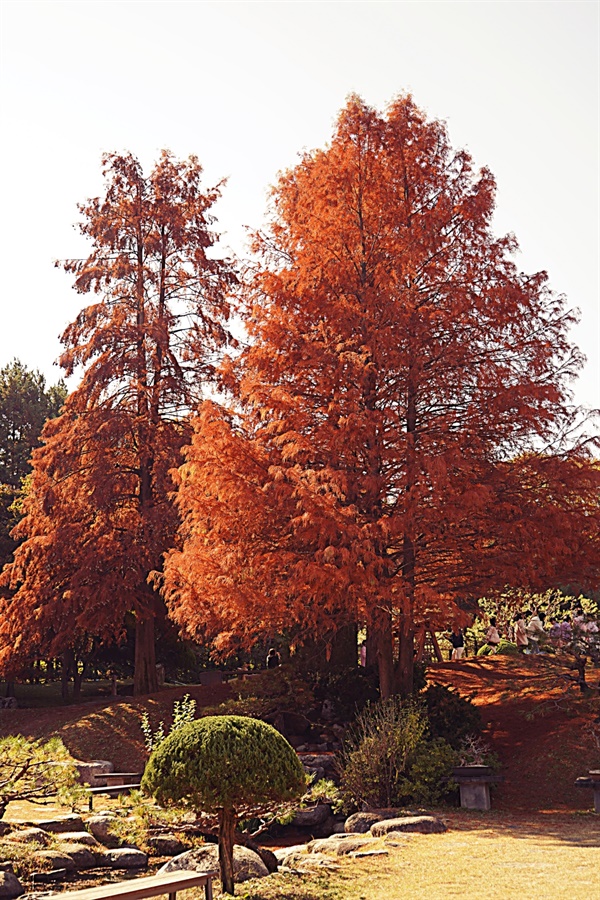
(544, 742)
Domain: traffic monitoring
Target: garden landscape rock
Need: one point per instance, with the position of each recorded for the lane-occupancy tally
(361, 822)
(99, 827)
(340, 844)
(166, 845)
(55, 859)
(10, 886)
(79, 837)
(31, 836)
(71, 822)
(91, 772)
(126, 858)
(81, 855)
(312, 816)
(421, 824)
(246, 863)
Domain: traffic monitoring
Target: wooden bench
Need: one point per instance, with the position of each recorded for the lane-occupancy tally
(121, 777)
(593, 782)
(151, 886)
(112, 790)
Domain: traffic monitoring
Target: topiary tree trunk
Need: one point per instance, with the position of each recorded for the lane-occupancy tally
(227, 823)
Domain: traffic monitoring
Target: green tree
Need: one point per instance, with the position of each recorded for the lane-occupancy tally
(230, 765)
(25, 405)
(34, 770)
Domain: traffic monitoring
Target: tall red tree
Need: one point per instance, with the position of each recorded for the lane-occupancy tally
(400, 365)
(98, 517)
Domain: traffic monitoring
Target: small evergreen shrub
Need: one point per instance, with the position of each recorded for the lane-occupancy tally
(450, 715)
(507, 648)
(229, 765)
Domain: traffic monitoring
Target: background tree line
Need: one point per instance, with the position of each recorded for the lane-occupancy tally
(393, 440)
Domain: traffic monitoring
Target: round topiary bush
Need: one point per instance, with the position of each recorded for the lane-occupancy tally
(229, 765)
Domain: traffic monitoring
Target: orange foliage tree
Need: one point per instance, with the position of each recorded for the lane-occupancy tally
(397, 442)
(97, 515)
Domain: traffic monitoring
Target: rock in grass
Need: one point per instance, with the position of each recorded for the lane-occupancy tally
(55, 859)
(71, 822)
(360, 822)
(166, 845)
(422, 824)
(99, 826)
(10, 886)
(31, 836)
(314, 815)
(246, 863)
(126, 858)
(339, 844)
(79, 837)
(81, 855)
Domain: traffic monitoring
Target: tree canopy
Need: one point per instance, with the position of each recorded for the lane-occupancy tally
(397, 442)
(97, 516)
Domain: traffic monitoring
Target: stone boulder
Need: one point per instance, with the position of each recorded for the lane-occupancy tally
(81, 855)
(10, 886)
(56, 859)
(91, 772)
(31, 835)
(421, 824)
(79, 837)
(312, 816)
(99, 827)
(340, 844)
(246, 863)
(166, 845)
(299, 860)
(126, 858)
(70, 822)
(360, 822)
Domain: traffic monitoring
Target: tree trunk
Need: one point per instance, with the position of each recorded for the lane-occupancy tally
(385, 654)
(77, 680)
(145, 679)
(67, 665)
(406, 661)
(227, 823)
(344, 647)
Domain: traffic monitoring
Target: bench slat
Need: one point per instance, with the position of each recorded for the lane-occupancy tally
(140, 888)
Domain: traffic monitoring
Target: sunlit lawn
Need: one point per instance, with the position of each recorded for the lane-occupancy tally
(499, 861)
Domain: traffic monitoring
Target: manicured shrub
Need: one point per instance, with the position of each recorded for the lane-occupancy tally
(229, 765)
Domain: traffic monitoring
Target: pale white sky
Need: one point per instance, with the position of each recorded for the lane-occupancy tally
(247, 85)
